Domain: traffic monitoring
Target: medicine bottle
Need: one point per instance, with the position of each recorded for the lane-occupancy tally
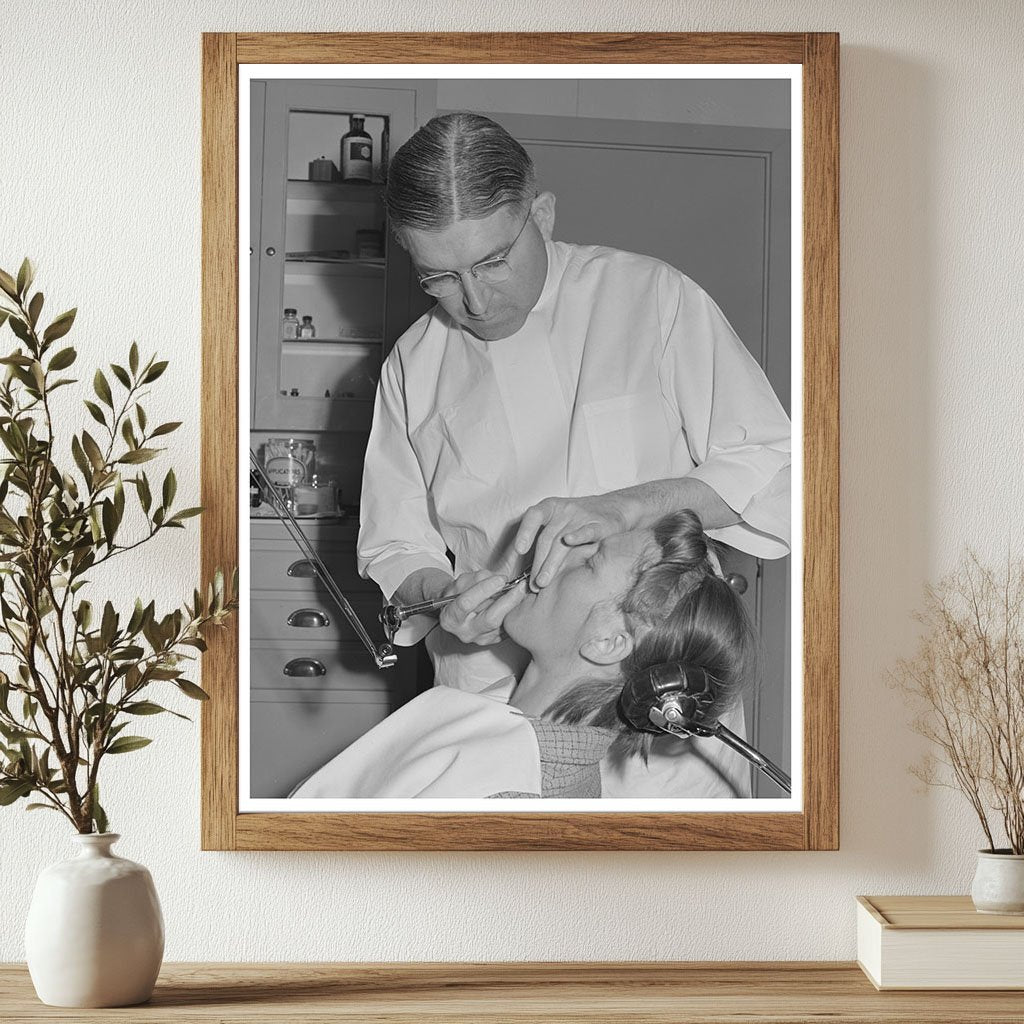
(356, 151)
(289, 325)
(306, 328)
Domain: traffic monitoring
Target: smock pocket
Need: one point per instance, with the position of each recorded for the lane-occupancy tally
(630, 439)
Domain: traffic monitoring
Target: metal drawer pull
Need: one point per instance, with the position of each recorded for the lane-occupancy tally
(304, 667)
(308, 618)
(303, 567)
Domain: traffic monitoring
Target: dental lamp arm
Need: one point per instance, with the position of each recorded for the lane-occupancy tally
(730, 739)
(754, 756)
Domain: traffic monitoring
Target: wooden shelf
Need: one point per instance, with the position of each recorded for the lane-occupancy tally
(794, 993)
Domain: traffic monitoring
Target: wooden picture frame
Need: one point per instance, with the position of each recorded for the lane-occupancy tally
(816, 825)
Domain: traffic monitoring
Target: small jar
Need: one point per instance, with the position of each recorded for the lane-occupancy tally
(289, 325)
(305, 498)
(369, 244)
(321, 169)
(306, 328)
(327, 495)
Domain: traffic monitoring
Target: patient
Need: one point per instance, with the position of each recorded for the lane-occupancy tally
(616, 608)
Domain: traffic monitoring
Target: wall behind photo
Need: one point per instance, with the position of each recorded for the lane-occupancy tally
(100, 166)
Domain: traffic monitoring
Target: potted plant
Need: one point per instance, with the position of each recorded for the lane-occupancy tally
(967, 680)
(79, 671)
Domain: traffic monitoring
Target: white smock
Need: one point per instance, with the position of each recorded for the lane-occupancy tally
(443, 744)
(624, 372)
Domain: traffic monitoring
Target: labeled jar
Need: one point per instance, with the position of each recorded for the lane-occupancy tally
(356, 151)
(289, 461)
(306, 328)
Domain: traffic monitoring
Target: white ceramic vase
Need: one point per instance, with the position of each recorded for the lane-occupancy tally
(999, 882)
(95, 933)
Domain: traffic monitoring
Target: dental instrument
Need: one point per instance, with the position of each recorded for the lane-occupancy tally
(393, 615)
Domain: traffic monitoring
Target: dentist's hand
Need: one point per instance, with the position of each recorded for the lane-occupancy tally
(476, 615)
(554, 525)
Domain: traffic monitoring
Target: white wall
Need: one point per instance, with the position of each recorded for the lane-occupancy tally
(99, 167)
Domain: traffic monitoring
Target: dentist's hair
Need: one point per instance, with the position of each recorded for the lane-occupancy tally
(678, 608)
(457, 167)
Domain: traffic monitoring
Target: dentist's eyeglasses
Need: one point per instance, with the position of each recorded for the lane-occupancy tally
(491, 271)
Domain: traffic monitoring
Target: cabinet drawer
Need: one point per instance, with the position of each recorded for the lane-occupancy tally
(292, 735)
(299, 722)
(296, 618)
(277, 567)
(312, 668)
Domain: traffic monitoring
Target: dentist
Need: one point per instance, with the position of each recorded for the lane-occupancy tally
(555, 395)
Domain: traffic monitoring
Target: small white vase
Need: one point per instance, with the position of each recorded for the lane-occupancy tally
(999, 882)
(95, 933)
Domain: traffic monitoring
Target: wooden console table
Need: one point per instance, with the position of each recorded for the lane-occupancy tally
(665, 993)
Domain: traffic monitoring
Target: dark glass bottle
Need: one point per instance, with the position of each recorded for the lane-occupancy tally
(356, 151)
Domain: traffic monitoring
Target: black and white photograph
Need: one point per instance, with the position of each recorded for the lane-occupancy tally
(524, 512)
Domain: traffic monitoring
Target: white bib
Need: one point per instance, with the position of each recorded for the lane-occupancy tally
(444, 744)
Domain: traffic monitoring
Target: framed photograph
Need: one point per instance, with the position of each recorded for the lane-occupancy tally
(527, 348)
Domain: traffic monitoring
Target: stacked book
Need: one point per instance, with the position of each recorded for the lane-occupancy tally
(938, 942)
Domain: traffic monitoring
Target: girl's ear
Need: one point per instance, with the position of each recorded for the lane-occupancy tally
(608, 649)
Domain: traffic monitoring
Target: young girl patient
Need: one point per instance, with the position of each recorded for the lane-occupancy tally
(616, 608)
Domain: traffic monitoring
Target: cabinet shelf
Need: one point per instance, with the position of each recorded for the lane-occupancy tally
(359, 404)
(326, 257)
(336, 191)
(332, 341)
(338, 265)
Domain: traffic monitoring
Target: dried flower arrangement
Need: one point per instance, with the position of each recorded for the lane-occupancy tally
(967, 679)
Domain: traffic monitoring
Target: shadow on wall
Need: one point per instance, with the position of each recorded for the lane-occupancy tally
(888, 262)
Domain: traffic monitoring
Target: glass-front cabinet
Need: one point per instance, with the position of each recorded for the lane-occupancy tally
(330, 294)
(334, 291)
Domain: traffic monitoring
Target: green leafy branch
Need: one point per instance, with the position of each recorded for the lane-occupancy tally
(80, 674)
